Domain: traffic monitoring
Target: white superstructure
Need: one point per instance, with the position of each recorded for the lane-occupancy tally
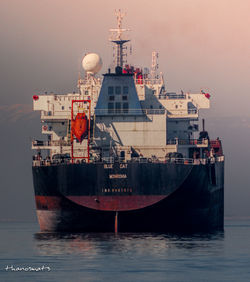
(130, 114)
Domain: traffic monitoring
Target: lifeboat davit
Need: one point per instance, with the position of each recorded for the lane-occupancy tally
(79, 126)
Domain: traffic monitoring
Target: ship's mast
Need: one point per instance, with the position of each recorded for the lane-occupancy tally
(117, 38)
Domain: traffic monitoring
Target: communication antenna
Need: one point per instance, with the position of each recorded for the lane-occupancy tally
(154, 66)
(118, 39)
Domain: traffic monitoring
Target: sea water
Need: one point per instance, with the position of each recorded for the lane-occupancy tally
(28, 255)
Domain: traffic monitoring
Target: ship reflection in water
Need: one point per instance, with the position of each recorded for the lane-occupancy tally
(97, 244)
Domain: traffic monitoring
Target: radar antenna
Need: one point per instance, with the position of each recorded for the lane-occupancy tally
(118, 39)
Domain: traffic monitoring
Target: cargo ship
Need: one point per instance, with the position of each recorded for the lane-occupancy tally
(123, 154)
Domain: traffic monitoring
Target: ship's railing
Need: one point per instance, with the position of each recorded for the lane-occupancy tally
(45, 162)
(57, 114)
(188, 161)
(196, 161)
(67, 114)
(177, 141)
(181, 112)
(39, 143)
(172, 95)
(130, 111)
(37, 161)
(148, 81)
(154, 111)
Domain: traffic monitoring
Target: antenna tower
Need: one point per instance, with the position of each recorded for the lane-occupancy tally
(154, 66)
(118, 39)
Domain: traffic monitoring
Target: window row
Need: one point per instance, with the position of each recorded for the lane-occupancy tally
(118, 108)
(117, 90)
(112, 98)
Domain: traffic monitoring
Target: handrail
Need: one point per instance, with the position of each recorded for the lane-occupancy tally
(182, 112)
(38, 143)
(130, 111)
(54, 113)
(66, 114)
(177, 141)
(111, 160)
(148, 81)
(173, 96)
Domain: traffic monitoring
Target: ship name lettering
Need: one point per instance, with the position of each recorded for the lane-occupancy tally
(123, 190)
(108, 166)
(111, 176)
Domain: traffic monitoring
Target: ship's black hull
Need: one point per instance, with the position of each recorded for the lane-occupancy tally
(174, 197)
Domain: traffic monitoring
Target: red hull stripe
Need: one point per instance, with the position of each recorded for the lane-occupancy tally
(116, 203)
(104, 203)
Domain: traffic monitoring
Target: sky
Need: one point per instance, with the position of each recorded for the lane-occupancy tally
(201, 44)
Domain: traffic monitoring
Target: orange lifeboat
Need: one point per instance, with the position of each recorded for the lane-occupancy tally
(79, 126)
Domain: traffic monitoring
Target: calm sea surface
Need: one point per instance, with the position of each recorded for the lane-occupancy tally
(223, 256)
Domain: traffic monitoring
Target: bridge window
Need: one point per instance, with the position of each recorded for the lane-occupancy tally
(110, 90)
(125, 107)
(118, 107)
(110, 108)
(125, 89)
(118, 90)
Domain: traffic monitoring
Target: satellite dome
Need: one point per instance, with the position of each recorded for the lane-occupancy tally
(92, 63)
